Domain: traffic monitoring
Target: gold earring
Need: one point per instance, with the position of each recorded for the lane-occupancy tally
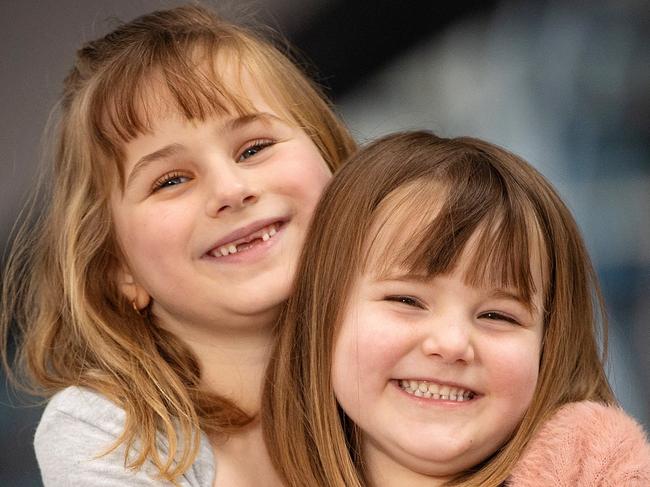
(136, 309)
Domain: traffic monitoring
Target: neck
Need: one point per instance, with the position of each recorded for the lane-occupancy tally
(233, 357)
(234, 366)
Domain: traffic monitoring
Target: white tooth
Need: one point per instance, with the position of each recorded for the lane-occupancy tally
(433, 388)
(444, 391)
(436, 395)
(444, 397)
(426, 394)
(223, 251)
(232, 249)
(418, 393)
(265, 236)
(272, 231)
(423, 387)
(460, 399)
(413, 384)
(452, 397)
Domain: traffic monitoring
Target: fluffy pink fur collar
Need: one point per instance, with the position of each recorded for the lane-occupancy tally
(585, 444)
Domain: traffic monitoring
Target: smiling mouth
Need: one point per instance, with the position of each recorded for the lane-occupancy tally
(249, 241)
(431, 390)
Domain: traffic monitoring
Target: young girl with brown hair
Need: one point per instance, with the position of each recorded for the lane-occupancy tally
(190, 153)
(443, 331)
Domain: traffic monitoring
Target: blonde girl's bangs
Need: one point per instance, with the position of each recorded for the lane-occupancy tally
(195, 65)
(200, 78)
(127, 97)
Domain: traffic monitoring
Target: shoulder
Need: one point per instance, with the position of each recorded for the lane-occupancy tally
(76, 430)
(585, 443)
(86, 409)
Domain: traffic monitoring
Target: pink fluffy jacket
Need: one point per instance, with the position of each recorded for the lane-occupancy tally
(585, 444)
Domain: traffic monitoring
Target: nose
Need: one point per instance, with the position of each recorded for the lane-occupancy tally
(231, 189)
(449, 340)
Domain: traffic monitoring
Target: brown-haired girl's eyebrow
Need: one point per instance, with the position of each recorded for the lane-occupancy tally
(401, 276)
(164, 153)
(514, 296)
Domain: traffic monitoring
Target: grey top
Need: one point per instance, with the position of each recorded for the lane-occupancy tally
(78, 424)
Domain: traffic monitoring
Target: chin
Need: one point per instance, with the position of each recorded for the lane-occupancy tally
(254, 308)
(437, 468)
(447, 462)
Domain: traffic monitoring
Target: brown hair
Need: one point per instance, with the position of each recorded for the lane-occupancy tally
(457, 188)
(74, 326)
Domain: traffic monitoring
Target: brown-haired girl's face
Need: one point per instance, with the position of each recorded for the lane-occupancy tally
(436, 373)
(212, 214)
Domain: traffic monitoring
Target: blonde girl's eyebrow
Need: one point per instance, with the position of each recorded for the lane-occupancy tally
(249, 118)
(164, 153)
(172, 149)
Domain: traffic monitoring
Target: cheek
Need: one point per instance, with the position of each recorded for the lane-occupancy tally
(148, 239)
(307, 178)
(144, 237)
(515, 371)
(365, 356)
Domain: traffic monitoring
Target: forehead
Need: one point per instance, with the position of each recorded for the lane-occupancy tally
(230, 91)
(397, 221)
(219, 88)
(413, 236)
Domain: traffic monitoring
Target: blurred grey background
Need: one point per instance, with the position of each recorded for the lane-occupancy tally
(564, 84)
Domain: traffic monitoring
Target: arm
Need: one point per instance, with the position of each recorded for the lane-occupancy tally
(79, 425)
(585, 444)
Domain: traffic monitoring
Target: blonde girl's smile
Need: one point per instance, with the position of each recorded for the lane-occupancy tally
(252, 240)
(187, 155)
(213, 213)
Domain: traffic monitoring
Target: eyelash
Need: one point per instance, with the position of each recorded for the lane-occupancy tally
(415, 303)
(258, 145)
(496, 316)
(406, 300)
(163, 181)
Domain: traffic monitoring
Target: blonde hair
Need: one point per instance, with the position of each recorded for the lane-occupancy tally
(455, 189)
(74, 326)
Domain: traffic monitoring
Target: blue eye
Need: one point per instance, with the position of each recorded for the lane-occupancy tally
(170, 179)
(406, 300)
(254, 147)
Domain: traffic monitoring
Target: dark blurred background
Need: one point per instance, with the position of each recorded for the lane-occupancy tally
(564, 84)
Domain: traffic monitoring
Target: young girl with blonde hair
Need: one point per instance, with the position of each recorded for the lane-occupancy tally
(443, 331)
(190, 153)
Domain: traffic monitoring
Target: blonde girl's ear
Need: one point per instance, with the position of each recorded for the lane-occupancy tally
(132, 291)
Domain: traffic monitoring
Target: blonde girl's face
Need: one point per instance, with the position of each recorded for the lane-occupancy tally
(212, 215)
(436, 374)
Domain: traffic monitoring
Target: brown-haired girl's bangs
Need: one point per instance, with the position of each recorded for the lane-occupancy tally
(464, 204)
